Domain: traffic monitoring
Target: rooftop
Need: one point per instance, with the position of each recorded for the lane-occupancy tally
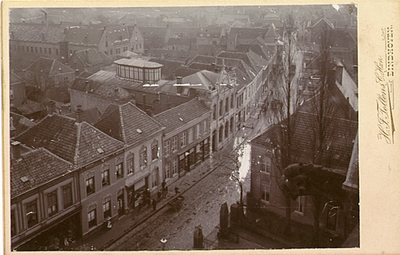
(128, 123)
(137, 62)
(35, 168)
(35, 33)
(78, 143)
(182, 114)
(49, 66)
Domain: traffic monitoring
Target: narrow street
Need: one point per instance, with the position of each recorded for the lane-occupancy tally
(201, 205)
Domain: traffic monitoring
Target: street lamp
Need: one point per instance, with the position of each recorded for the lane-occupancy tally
(163, 242)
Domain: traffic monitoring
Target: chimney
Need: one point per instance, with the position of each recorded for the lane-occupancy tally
(15, 150)
(51, 107)
(178, 79)
(79, 114)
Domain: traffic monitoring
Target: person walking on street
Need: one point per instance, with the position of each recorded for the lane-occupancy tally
(154, 205)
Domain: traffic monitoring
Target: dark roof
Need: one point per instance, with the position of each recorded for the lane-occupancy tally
(182, 114)
(83, 36)
(37, 167)
(128, 124)
(180, 41)
(182, 71)
(168, 66)
(20, 123)
(78, 143)
(102, 88)
(91, 115)
(339, 140)
(117, 34)
(89, 57)
(35, 33)
(49, 66)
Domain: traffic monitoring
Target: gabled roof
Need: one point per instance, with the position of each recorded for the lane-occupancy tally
(48, 66)
(101, 88)
(84, 36)
(129, 124)
(182, 114)
(206, 78)
(78, 143)
(36, 33)
(323, 20)
(116, 34)
(339, 140)
(35, 168)
(89, 57)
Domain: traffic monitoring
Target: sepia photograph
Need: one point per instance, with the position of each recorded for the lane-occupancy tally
(178, 128)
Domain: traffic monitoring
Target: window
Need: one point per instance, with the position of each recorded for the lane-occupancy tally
(52, 207)
(13, 223)
(105, 177)
(190, 136)
(67, 195)
(226, 130)
(50, 51)
(167, 147)
(174, 146)
(221, 108)
(154, 177)
(131, 163)
(175, 166)
(227, 105)
(154, 151)
(332, 213)
(119, 170)
(92, 216)
(231, 125)
(143, 157)
(221, 133)
(31, 213)
(232, 101)
(111, 52)
(214, 112)
(167, 170)
(107, 207)
(198, 133)
(265, 192)
(298, 204)
(31, 49)
(90, 185)
(57, 52)
(183, 139)
(205, 129)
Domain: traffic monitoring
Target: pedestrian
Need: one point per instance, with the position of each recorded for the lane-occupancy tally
(154, 205)
(163, 185)
(176, 190)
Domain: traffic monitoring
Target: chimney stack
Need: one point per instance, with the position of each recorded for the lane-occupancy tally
(15, 150)
(179, 79)
(79, 114)
(51, 107)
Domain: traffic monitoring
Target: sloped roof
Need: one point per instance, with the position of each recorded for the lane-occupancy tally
(180, 41)
(84, 36)
(15, 78)
(101, 88)
(127, 123)
(116, 34)
(20, 123)
(36, 33)
(181, 114)
(168, 66)
(48, 66)
(246, 32)
(89, 57)
(182, 71)
(339, 140)
(206, 78)
(38, 167)
(91, 115)
(78, 143)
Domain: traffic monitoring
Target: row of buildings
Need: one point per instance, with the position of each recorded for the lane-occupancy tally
(147, 130)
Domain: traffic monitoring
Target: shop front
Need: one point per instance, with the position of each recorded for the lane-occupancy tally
(194, 156)
(137, 193)
(57, 236)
